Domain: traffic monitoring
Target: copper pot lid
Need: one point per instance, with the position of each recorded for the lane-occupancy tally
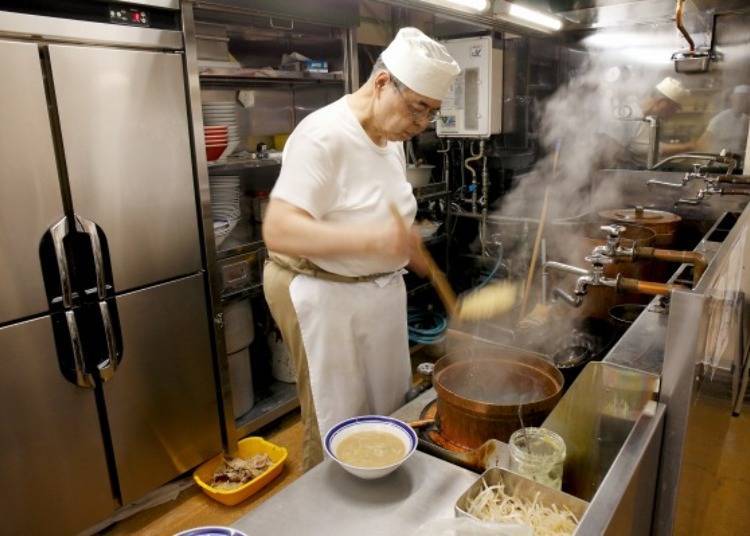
(642, 215)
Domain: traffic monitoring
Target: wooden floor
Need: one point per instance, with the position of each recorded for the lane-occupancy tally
(194, 509)
(714, 496)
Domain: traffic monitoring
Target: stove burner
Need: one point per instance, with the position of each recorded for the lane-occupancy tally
(431, 434)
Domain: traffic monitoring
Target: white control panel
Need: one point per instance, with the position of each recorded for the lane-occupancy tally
(474, 104)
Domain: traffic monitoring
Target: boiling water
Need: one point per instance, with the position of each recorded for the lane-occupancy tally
(499, 382)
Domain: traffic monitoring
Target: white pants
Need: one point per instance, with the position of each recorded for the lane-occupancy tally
(356, 339)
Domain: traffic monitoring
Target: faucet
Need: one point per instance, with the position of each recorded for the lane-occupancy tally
(653, 138)
(586, 278)
(613, 251)
(713, 184)
(729, 159)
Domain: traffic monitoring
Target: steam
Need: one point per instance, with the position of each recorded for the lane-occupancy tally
(575, 124)
(579, 121)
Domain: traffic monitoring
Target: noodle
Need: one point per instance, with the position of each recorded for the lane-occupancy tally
(493, 504)
(487, 302)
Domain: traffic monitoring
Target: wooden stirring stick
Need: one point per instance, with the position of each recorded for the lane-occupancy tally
(434, 273)
(535, 254)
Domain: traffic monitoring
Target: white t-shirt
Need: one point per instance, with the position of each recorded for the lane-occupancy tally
(634, 137)
(332, 169)
(728, 130)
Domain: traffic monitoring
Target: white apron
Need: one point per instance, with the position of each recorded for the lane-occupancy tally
(356, 341)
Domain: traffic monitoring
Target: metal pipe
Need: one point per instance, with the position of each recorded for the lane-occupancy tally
(695, 258)
(733, 179)
(474, 158)
(678, 19)
(573, 301)
(653, 140)
(561, 267)
(704, 157)
(446, 162)
(733, 191)
(485, 195)
(625, 284)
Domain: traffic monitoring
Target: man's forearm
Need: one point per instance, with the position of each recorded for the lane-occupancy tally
(298, 235)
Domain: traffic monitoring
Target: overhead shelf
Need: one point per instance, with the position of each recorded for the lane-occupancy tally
(241, 163)
(430, 191)
(234, 75)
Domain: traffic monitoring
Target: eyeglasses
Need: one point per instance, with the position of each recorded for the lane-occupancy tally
(417, 115)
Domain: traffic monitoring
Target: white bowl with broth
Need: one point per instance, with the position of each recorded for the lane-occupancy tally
(370, 446)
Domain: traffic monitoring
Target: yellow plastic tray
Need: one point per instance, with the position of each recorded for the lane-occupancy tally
(247, 448)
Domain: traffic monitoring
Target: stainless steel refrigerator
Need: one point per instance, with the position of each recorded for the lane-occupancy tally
(107, 385)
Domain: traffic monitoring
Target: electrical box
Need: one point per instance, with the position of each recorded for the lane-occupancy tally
(473, 107)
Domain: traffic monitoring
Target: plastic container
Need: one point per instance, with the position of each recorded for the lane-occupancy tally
(241, 379)
(239, 330)
(247, 448)
(538, 454)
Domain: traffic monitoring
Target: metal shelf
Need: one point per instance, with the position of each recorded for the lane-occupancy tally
(242, 75)
(239, 164)
(245, 238)
(249, 292)
(430, 191)
(282, 400)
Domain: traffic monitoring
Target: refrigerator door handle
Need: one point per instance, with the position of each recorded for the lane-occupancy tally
(58, 232)
(89, 227)
(83, 379)
(108, 367)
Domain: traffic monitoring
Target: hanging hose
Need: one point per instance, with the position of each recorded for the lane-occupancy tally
(499, 264)
(425, 327)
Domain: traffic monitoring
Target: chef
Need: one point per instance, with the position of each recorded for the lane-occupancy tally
(631, 137)
(334, 281)
(728, 129)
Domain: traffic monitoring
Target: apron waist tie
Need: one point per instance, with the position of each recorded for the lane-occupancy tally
(302, 266)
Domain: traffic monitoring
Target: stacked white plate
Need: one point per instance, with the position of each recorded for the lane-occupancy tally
(223, 113)
(225, 205)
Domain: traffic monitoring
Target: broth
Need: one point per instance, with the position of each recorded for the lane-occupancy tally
(371, 449)
(497, 381)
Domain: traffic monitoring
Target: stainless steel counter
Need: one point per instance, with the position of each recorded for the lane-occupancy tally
(329, 501)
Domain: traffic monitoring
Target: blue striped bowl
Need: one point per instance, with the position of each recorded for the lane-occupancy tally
(370, 423)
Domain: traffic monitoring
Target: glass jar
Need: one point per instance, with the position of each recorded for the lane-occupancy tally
(538, 454)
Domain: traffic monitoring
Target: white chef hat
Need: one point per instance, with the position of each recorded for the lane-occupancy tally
(421, 63)
(742, 89)
(673, 90)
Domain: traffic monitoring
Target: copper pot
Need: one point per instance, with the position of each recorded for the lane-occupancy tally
(479, 394)
(663, 223)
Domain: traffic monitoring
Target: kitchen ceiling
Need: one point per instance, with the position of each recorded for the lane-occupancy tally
(558, 6)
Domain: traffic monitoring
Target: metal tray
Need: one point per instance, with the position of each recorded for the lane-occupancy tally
(521, 487)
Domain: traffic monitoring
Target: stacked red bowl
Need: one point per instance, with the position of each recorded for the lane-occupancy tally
(217, 140)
